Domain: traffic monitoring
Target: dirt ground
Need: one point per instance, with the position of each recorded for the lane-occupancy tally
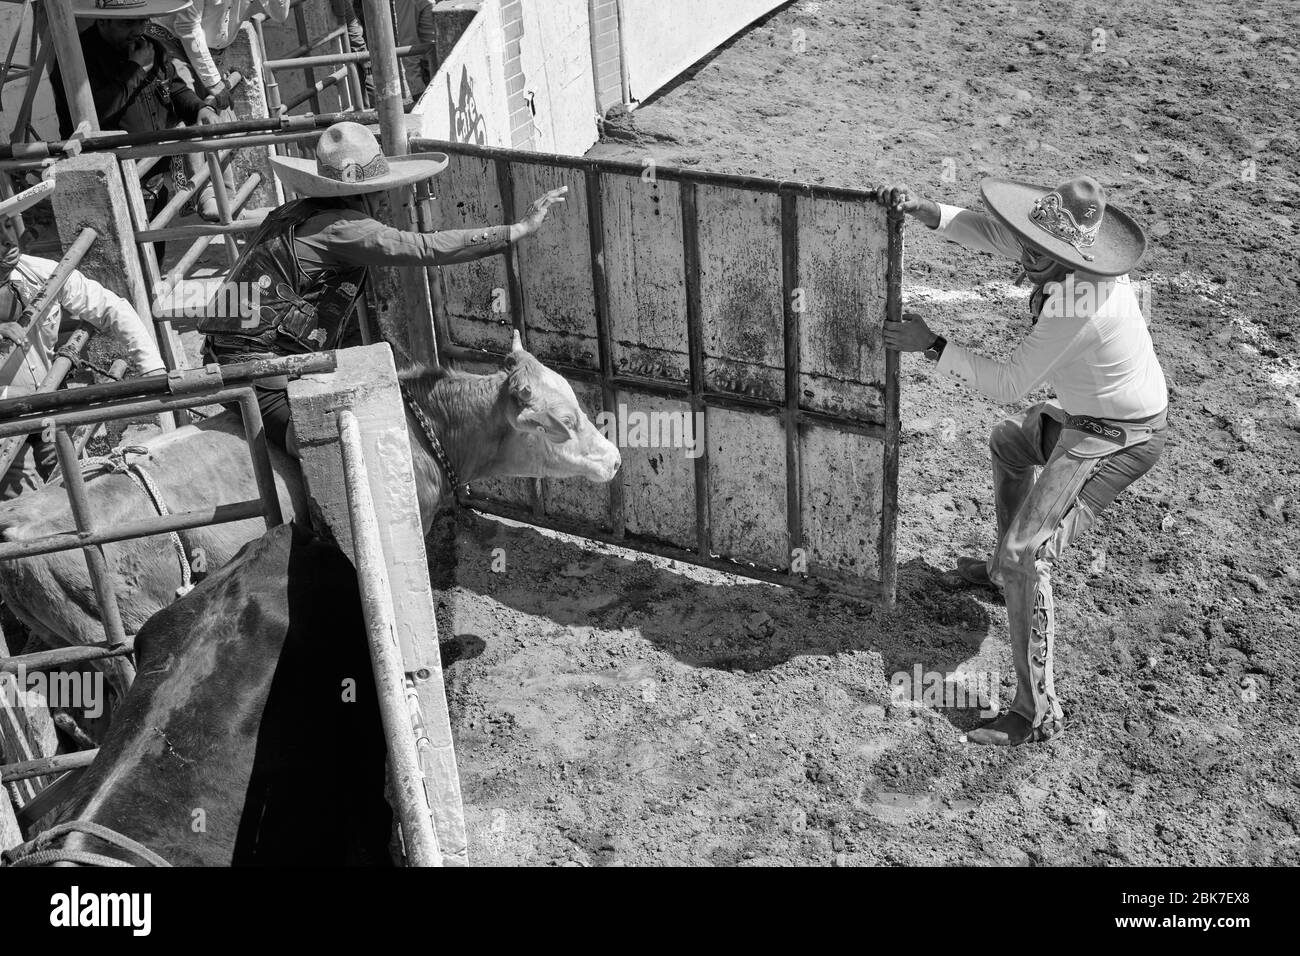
(611, 709)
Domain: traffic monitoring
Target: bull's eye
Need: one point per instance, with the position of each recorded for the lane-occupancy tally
(568, 422)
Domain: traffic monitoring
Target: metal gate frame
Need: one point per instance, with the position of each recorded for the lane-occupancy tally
(694, 391)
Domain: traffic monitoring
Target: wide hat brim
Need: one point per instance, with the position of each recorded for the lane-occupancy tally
(86, 10)
(1118, 248)
(300, 175)
(20, 202)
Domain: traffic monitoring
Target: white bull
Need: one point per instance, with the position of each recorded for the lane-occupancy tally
(524, 422)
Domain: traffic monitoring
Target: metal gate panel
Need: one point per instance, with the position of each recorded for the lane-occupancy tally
(679, 296)
(747, 487)
(645, 267)
(740, 291)
(555, 275)
(658, 483)
(843, 258)
(476, 296)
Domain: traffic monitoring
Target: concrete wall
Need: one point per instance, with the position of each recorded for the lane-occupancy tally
(519, 76)
(663, 37)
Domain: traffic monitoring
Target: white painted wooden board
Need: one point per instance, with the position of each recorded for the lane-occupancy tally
(658, 482)
(647, 288)
(741, 311)
(476, 294)
(555, 269)
(843, 257)
(841, 483)
(747, 503)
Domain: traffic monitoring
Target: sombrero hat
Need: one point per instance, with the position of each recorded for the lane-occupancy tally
(26, 199)
(349, 162)
(1071, 223)
(126, 9)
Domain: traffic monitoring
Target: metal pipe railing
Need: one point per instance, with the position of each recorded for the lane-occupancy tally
(177, 134)
(196, 231)
(400, 728)
(332, 59)
(46, 766)
(84, 518)
(65, 656)
(16, 413)
(195, 251)
(314, 91)
(207, 145)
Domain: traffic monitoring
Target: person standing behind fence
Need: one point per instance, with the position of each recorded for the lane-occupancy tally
(26, 353)
(140, 83)
(206, 28)
(349, 11)
(413, 22)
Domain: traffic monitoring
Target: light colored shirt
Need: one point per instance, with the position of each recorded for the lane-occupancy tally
(81, 299)
(207, 25)
(1091, 343)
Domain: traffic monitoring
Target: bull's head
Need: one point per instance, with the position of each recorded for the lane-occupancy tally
(551, 436)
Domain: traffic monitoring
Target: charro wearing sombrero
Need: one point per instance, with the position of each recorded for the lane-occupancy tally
(308, 263)
(1104, 430)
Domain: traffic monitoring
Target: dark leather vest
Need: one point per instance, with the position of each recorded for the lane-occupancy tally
(282, 306)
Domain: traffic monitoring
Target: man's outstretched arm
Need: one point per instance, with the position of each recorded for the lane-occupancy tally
(971, 229)
(368, 242)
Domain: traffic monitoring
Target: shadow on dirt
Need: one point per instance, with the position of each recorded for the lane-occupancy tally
(723, 625)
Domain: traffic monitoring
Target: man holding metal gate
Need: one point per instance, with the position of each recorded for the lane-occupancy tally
(28, 341)
(1104, 429)
(296, 286)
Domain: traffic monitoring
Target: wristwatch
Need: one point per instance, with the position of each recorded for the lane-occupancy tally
(936, 348)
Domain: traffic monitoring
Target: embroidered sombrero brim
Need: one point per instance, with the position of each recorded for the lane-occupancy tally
(301, 176)
(1117, 249)
(20, 202)
(127, 9)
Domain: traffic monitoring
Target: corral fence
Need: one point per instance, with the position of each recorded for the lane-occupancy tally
(671, 297)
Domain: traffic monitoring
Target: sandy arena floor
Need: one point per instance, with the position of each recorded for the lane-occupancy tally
(614, 710)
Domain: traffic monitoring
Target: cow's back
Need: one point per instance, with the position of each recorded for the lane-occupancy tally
(194, 467)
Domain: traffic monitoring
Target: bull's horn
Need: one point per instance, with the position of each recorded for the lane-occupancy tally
(516, 343)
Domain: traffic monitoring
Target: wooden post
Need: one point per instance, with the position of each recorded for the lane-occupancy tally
(72, 66)
(365, 383)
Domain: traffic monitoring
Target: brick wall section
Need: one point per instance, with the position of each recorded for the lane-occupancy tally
(608, 66)
(520, 116)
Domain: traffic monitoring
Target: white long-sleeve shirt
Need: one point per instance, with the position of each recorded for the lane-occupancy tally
(207, 25)
(1091, 341)
(81, 299)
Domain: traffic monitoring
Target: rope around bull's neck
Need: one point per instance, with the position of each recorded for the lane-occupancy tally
(439, 452)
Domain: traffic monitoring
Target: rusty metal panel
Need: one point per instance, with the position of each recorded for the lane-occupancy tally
(658, 480)
(842, 482)
(740, 291)
(754, 304)
(643, 260)
(555, 270)
(747, 494)
(475, 295)
(843, 258)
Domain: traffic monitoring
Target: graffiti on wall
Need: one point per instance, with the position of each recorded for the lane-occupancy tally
(467, 123)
